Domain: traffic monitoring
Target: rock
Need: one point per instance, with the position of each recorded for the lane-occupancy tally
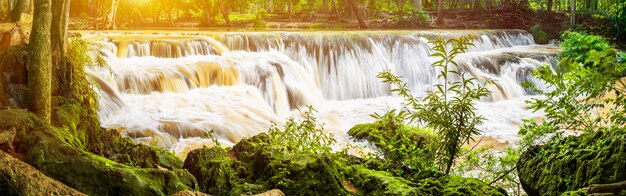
(190, 193)
(273, 192)
(372, 182)
(574, 162)
(6, 139)
(213, 170)
(60, 153)
(13, 37)
(19, 178)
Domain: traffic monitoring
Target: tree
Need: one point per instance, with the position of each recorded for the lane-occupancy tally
(440, 16)
(20, 7)
(573, 18)
(58, 34)
(109, 20)
(39, 64)
(352, 5)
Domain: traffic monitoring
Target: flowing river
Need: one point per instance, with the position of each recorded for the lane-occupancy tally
(170, 88)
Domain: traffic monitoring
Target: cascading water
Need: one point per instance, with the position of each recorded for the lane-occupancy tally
(174, 87)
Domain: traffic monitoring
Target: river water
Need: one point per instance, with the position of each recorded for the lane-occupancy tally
(169, 88)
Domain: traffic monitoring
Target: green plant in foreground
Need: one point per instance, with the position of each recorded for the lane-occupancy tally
(303, 136)
(586, 91)
(449, 109)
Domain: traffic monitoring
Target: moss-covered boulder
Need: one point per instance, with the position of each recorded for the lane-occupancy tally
(253, 167)
(408, 151)
(19, 178)
(62, 153)
(574, 162)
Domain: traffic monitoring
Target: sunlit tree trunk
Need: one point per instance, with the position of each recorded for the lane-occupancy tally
(440, 20)
(357, 13)
(39, 64)
(324, 8)
(58, 34)
(21, 6)
(110, 17)
(226, 14)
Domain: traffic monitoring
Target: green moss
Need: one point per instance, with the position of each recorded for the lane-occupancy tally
(96, 175)
(573, 163)
(379, 182)
(213, 169)
(408, 150)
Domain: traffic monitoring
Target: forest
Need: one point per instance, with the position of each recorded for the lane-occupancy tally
(313, 97)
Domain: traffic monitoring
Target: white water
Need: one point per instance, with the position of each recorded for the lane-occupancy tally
(170, 88)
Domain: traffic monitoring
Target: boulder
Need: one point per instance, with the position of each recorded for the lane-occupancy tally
(19, 178)
(574, 162)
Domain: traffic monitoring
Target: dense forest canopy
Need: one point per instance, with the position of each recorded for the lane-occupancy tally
(212, 12)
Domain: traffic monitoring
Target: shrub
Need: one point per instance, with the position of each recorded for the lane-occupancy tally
(449, 109)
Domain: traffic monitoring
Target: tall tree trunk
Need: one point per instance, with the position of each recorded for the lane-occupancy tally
(357, 13)
(20, 7)
(110, 17)
(440, 13)
(549, 6)
(60, 11)
(335, 10)
(39, 63)
(573, 18)
(226, 15)
(324, 9)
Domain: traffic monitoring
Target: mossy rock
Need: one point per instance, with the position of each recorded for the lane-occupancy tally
(371, 182)
(213, 170)
(96, 175)
(574, 162)
(62, 154)
(254, 167)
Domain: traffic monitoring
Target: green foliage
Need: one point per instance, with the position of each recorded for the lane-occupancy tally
(415, 17)
(618, 20)
(303, 136)
(540, 36)
(586, 91)
(259, 17)
(79, 54)
(576, 45)
(491, 165)
(408, 151)
(450, 109)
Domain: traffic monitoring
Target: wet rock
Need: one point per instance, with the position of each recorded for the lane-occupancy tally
(574, 162)
(19, 178)
(273, 192)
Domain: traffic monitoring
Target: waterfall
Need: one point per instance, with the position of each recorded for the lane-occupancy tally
(178, 85)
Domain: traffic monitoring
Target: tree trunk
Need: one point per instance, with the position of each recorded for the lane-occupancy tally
(226, 15)
(357, 13)
(573, 18)
(110, 17)
(58, 34)
(39, 63)
(335, 10)
(440, 16)
(20, 7)
(418, 5)
(549, 7)
(324, 9)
